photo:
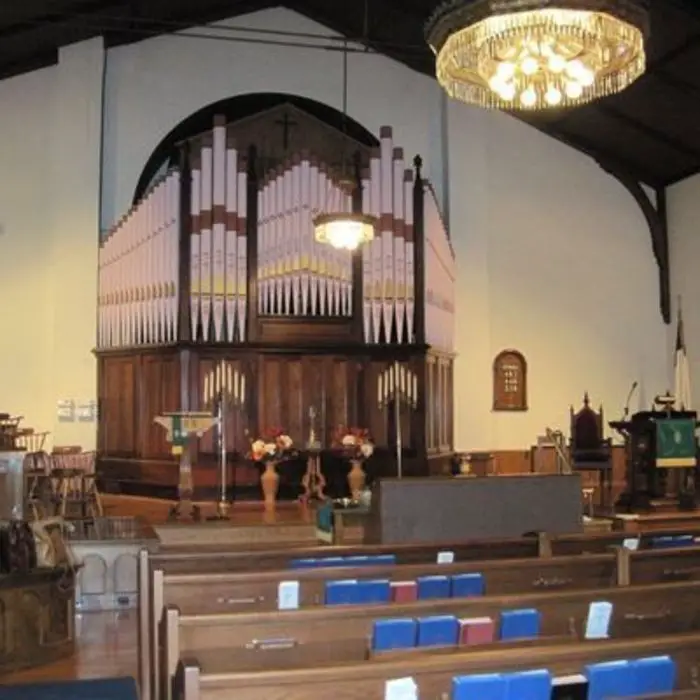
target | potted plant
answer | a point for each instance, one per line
(356, 445)
(271, 448)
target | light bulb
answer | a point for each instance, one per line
(496, 83)
(573, 90)
(575, 68)
(505, 70)
(528, 98)
(553, 96)
(586, 77)
(507, 92)
(557, 63)
(529, 65)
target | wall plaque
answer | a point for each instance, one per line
(509, 381)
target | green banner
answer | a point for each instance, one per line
(675, 443)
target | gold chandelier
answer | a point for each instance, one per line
(537, 54)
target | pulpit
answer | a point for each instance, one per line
(657, 444)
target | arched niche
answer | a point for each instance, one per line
(284, 126)
(509, 381)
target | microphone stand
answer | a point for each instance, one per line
(626, 412)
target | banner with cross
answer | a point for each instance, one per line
(675, 443)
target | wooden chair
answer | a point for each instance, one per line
(589, 450)
(75, 483)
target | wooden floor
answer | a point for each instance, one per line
(155, 511)
(106, 647)
(106, 642)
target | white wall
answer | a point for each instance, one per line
(154, 85)
(25, 315)
(77, 129)
(683, 203)
(554, 256)
(49, 164)
(556, 262)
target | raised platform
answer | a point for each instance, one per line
(250, 524)
(648, 522)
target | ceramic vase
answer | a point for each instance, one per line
(356, 479)
(270, 482)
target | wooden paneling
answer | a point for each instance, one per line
(158, 393)
(281, 389)
(339, 396)
(288, 331)
(439, 397)
(117, 418)
(375, 415)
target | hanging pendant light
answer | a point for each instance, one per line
(344, 230)
(538, 54)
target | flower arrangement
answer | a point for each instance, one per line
(272, 446)
(355, 443)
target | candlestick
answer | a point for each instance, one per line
(323, 412)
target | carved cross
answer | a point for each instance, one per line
(287, 124)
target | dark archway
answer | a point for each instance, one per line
(234, 109)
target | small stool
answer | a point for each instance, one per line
(92, 502)
(38, 490)
(67, 491)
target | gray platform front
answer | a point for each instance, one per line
(449, 509)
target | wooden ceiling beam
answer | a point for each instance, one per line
(675, 144)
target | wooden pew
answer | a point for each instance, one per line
(184, 560)
(259, 592)
(652, 566)
(151, 598)
(261, 641)
(433, 673)
(212, 593)
(208, 594)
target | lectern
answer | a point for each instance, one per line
(181, 426)
(656, 442)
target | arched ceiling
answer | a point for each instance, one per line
(651, 132)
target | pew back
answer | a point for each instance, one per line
(432, 673)
(259, 592)
(217, 559)
(259, 641)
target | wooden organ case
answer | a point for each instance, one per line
(213, 280)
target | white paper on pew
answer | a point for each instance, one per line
(401, 689)
(288, 595)
(598, 621)
(631, 543)
(446, 557)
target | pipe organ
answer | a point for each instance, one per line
(297, 276)
(217, 263)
